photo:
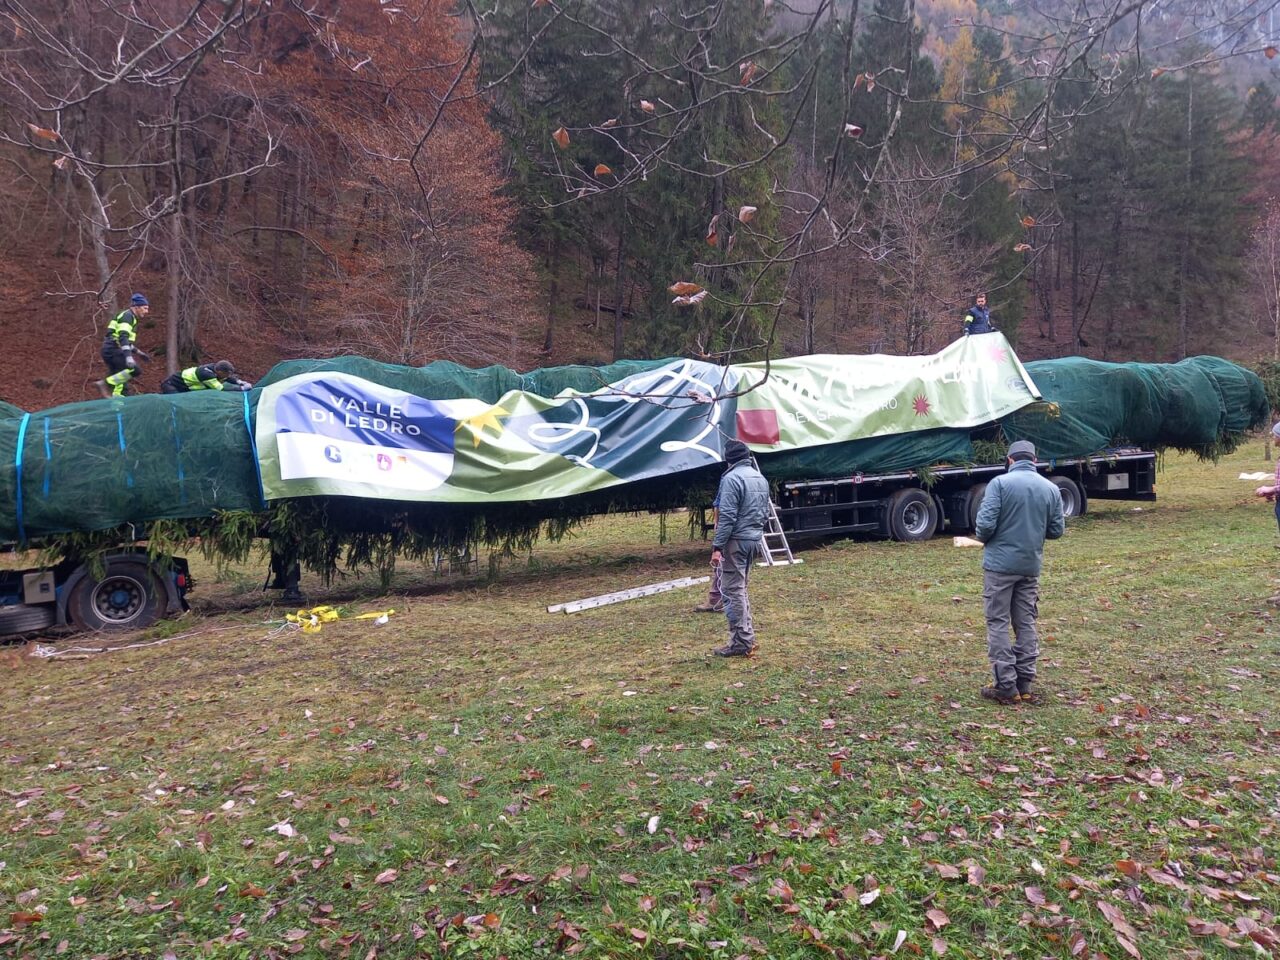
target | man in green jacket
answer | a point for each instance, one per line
(1019, 511)
(209, 376)
(740, 517)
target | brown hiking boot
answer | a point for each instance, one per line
(1004, 695)
(708, 608)
(1026, 694)
(729, 650)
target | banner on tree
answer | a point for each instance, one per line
(329, 433)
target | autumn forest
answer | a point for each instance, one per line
(543, 182)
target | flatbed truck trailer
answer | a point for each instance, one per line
(915, 505)
(127, 590)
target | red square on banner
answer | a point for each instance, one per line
(758, 426)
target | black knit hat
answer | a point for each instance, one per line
(735, 450)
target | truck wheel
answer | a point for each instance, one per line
(26, 619)
(128, 596)
(976, 493)
(1075, 502)
(912, 515)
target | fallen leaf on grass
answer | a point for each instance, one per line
(387, 876)
(870, 897)
(1207, 928)
(1125, 934)
(782, 890)
(1035, 896)
(937, 918)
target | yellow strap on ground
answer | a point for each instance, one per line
(377, 615)
(313, 620)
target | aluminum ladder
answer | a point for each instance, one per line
(777, 551)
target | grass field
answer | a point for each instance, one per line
(482, 778)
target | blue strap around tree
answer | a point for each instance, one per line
(17, 466)
(253, 448)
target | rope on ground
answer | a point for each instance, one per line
(48, 652)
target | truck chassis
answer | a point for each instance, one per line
(914, 505)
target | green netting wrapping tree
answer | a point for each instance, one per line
(96, 466)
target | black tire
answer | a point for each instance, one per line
(976, 493)
(911, 515)
(128, 596)
(24, 619)
(1075, 502)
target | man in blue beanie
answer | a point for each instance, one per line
(120, 346)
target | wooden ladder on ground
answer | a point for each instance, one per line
(777, 551)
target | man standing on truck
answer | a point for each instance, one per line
(209, 376)
(1020, 510)
(743, 500)
(119, 347)
(977, 319)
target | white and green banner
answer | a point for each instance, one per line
(329, 433)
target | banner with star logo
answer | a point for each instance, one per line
(831, 398)
(333, 433)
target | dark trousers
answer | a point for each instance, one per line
(113, 357)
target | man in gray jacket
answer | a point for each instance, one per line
(744, 507)
(1020, 510)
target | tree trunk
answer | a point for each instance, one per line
(1184, 260)
(1273, 263)
(98, 226)
(619, 282)
(173, 281)
(808, 309)
(1075, 284)
(553, 296)
(174, 258)
(1109, 323)
(599, 264)
(1045, 291)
